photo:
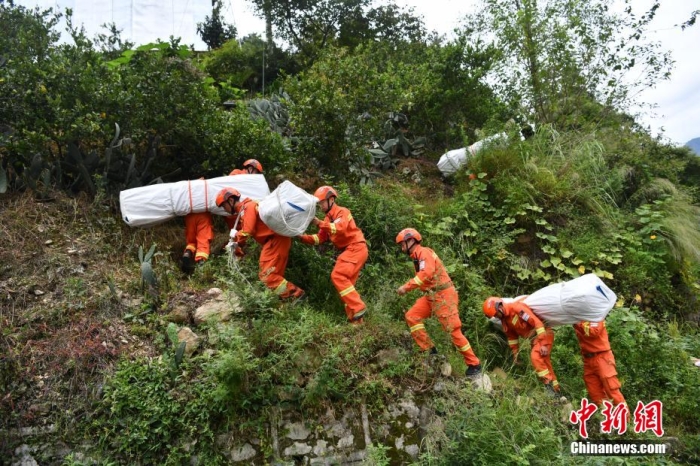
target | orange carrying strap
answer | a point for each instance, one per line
(206, 195)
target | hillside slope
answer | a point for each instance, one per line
(90, 364)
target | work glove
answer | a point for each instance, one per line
(402, 290)
(233, 233)
(544, 350)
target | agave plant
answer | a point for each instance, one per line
(272, 110)
(148, 276)
(384, 156)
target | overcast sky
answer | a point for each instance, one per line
(677, 100)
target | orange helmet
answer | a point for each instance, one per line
(253, 163)
(408, 233)
(490, 306)
(325, 192)
(225, 194)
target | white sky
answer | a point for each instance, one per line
(677, 100)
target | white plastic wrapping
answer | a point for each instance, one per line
(453, 160)
(150, 205)
(288, 210)
(583, 298)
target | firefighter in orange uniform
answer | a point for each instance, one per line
(519, 321)
(199, 231)
(339, 227)
(275, 247)
(250, 167)
(440, 299)
(599, 370)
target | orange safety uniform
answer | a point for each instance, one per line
(519, 321)
(599, 370)
(440, 298)
(199, 231)
(340, 228)
(231, 219)
(275, 249)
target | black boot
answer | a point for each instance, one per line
(473, 370)
(187, 263)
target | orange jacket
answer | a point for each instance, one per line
(592, 337)
(339, 227)
(251, 224)
(430, 272)
(238, 171)
(519, 321)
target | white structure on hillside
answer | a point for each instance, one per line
(140, 21)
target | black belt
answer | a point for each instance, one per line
(590, 355)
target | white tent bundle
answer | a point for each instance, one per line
(583, 298)
(150, 205)
(288, 210)
(451, 161)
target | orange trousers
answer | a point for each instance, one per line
(273, 263)
(199, 231)
(344, 276)
(444, 305)
(600, 375)
(543, 364)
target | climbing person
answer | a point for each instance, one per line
(250, 167)
(275, 247)
(519, 321)
(340, 228)
(440, 299)
(599, 370)
(199, 232)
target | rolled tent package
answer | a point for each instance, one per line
(288, 210)
(453, 160)
(584, 298)
(150, 205)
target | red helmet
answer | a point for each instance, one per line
(253, 163)
(325, 192)
(225, 194)
(490, 306)
(408, 233)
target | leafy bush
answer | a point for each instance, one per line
(147, 416)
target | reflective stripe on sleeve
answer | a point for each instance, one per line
(417, 327)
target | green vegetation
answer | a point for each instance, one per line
(366, 101)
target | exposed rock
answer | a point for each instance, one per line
(215, 292)
(321, 448)
(178, 315)
(347, 441)
(297, 431)
(499, 373)
(410, 408)
(243, 453)
(220, 310)
(412, 450)
(24, 457)
(190, 338)
(482, 382)
(297, 449)
(387, 357)
(446, 369)
(566, 411)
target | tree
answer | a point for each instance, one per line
(311, 25)
(557, 56)
(213, 31)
